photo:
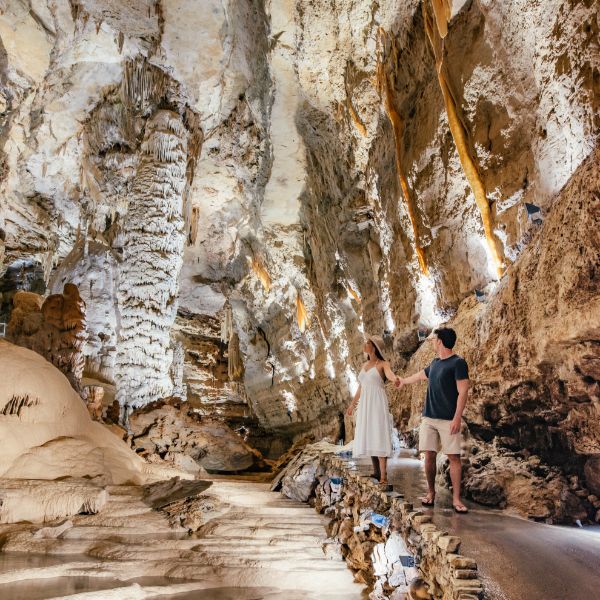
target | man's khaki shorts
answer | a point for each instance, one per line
(434, 434)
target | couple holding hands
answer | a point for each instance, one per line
(447, 390)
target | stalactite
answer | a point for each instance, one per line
(355, 118)
(193, 228)
(261, 272)
(235, 364)
(350, 106)
(353, 293)
(398, 128)
(143, 84)
(301, 314)
(226, 324)
(193, 124)
(152, 259)
(443, 13)
(459, 134)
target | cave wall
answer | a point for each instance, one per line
(533, 354)
(351, 167)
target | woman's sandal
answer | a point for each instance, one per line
(426, 502)
(462, 510)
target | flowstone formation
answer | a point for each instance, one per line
(48, 435)
(241, 192)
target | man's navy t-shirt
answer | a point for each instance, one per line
(442, 393)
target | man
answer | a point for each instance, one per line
(447, 390)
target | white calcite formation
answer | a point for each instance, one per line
(47, 432)
(152, 258)
(91, 266)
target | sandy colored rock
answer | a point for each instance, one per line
(54, 327)
(47, 432)
(42, 501)
(172, 428)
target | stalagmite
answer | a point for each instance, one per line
(54, 327)
(398, 128)
(459, 134)
(152, 259)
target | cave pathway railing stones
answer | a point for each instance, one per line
(406, 551)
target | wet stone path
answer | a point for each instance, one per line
(517, 559)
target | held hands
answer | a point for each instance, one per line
(399, 382)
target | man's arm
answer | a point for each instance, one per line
(463, 392)
(420, 376)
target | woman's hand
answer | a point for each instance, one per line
(351, 409)
(397, 381)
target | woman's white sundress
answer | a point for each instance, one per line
(373, 432)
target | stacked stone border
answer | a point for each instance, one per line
(448, 575)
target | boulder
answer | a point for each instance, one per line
(301, 482)
(171, 430)
(486, 489)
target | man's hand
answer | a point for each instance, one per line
(455, 426)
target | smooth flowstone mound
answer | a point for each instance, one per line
(47, 432)
(41, 501)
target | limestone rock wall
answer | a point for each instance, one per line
(350, 167)
(533, 355)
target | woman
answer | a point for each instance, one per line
(373, 432)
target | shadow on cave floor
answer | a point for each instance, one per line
(517, 558)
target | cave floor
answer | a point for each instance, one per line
(256, 545)
(517, 558)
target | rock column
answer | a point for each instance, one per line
(152, 259)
